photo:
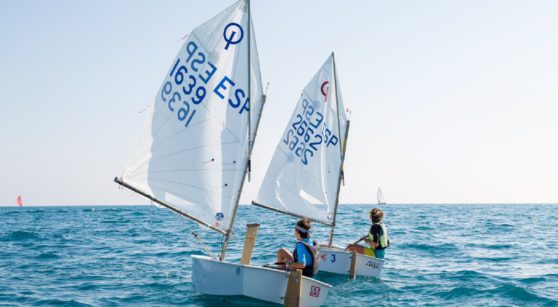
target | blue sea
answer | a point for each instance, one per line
(498, 255)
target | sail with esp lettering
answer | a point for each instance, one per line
(303, 176)
(195, 150)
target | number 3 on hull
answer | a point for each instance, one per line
(336, 260)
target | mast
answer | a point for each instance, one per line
(249, 93)
(342, 150)
(247, 167)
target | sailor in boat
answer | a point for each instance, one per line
(306, 253)
(377, 237)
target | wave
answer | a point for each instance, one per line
(520, 294)
(131, 256)
(20, 235)
(48, 256)
(59, 302)
(430, 248)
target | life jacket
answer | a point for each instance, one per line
(384, 240)
(310, 269)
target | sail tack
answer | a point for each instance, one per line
(195, 148)
(303, 176)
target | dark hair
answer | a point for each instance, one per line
(376, 215)
(304, 224)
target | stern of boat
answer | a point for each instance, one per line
(338, 261)
(214, 277)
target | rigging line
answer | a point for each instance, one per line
(159, 144)
(157, 107)
(154, 149)
(163, 142)
(162, 105)
(151, 212)
(145, 108)
(201, 121)
(192, 148)
(194, 170)
(183, 184)
(203, 245)
(156, 131)
(221, 121)
(218, 119)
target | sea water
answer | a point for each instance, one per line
(140, 255)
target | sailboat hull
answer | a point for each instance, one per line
(338, 261)
(210, 276)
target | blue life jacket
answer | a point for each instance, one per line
(311, 268)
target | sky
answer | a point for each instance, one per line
(452, 101)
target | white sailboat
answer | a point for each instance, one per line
(380, 197)
(305, 173)
(195, 152)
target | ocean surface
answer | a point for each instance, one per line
(140, 255)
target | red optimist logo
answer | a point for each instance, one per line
(315, 291)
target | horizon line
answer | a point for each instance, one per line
(248, 204)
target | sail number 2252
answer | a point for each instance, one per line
(307, 132)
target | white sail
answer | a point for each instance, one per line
(195, 149)
(303, 176)
(380, 197)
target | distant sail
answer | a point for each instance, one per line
(196, 146)
(19, 201)
(380, 196)
(304, 171)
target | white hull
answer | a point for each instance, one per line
(210, 276)
(337, 260)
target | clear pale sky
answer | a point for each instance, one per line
(452, 101)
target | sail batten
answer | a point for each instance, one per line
(195, 148)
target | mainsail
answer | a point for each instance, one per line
(303, 176)
(195, 150)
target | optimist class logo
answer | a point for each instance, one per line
(315, 291)
(230, 34)
(325, 89)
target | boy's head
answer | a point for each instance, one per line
(376, 215)
(303, 228)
